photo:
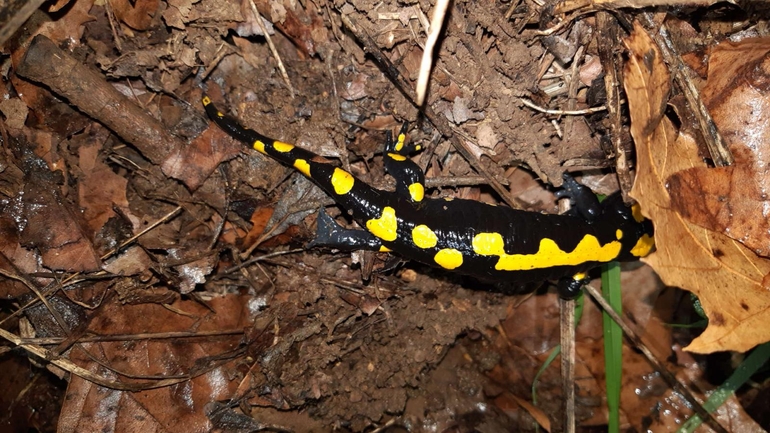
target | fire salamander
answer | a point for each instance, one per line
(493, 243)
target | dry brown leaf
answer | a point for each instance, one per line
(728, 277)
(100, 188)
(194, 163)
(137, 14)
(89, 407)
(299, 22)
(69, 27)
(57, 5)
(734, 200)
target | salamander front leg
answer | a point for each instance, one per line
(410, 180)
(582, 199)
(329, 234)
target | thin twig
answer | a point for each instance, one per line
(568, 356)
(111, 19)
(669, 377)
(436, 24)
(128, 241)
(273, 50)
(67, 365)
(582, 112)
(262, 257)
(718, 149)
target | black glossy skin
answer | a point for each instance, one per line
(455, 222)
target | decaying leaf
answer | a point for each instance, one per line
(734, 200)
(137, 14)
(728, 277)
(148, 359)
(100, 189)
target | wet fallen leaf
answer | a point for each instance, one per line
(46, 221)
(734, 200)
(728, 278)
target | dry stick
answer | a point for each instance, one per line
(669, 377)
(135, 337)
(610, 58)
(587, 7)
(112, 20)
(572, 74)
(511, 8)
(15, 13)
(125, 243)
(273, 50)
(426, 64)
(438, 121)
(260, 258)
(67, 365)
(568, 353)
(718, 149)
(582, 112)
(568, 356)
(90, 93)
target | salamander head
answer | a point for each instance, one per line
(635, 232)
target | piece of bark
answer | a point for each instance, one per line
(13, 14)
(90, 93)
(87, 90)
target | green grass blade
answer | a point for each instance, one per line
(756, 359)
(613, 343)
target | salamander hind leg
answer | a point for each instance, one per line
(410, 180)
(570, 287)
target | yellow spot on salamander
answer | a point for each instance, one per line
(488, 244)
(259, 146)
(580, 276)
(206, 100)
(643, 246)
(282, 147)
(302, 166)
(549, 254)
(396, 157)
(385, 227)
(449, 258)
(424, 237)
(400, 142)
(417, 191)
(636, 212)
(342, 181)
(384, 249)
(619, 234)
